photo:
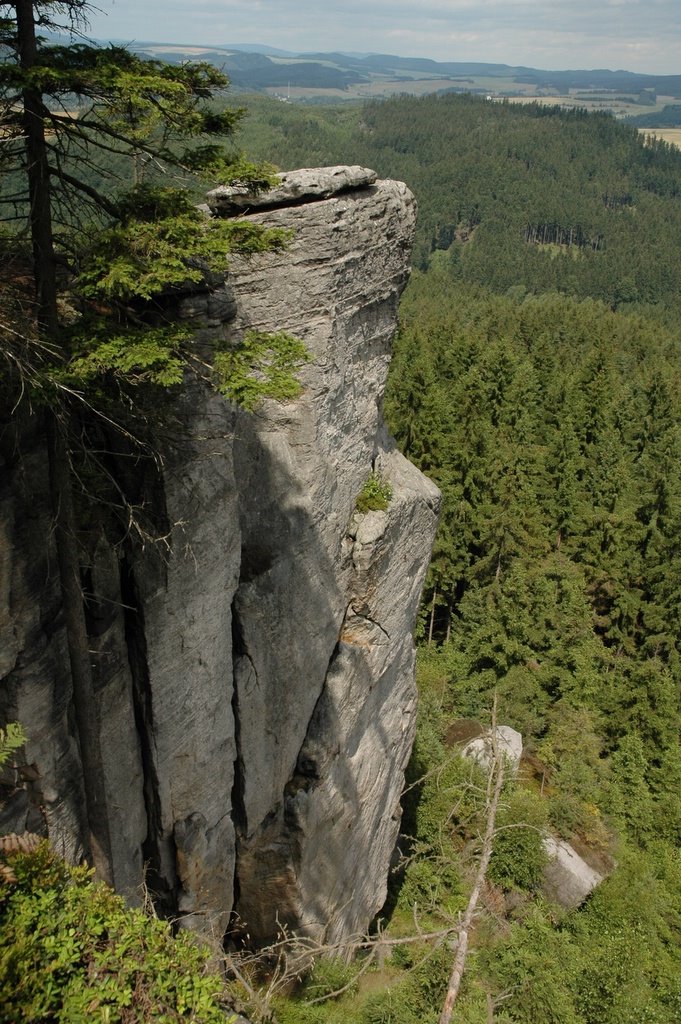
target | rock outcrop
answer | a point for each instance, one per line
(292, 187)
(509, 744)
(568, 879)
(255, 674)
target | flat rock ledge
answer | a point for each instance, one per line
(301, 186)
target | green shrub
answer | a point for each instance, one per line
(12, 737)
(71, 952)
(518, 857)
(449, 799)
(536, 966)
(397, 1005)
(570, 816)
(432, 885)
(291, 1011)
(375, 494)
(329, 975)
(418, 998)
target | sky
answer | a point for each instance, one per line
(634, 35)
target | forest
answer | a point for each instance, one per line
(535, 379)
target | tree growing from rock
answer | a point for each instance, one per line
(72, 115)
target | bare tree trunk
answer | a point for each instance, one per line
(495, 781)
(432, 618)
(84, 701)
(38, 176)
(87, 718)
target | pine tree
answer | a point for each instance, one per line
(67, 110)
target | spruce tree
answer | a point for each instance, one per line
(68, 111)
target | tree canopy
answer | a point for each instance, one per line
(119, 247)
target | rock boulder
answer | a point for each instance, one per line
(568, 879)
(509, 743)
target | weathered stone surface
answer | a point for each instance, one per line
(326, 701)
(361, 734)
(254, 672)
(184, 669)
(568, 879)
(300, 186)
(36, 690)
(509, 743)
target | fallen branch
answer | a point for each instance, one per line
(495, 781)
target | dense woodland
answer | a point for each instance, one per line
(536, 380)
(600, 197)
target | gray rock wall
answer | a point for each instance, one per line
(255, 673)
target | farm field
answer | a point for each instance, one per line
(672, 135)
(337, 77)
(379, 89)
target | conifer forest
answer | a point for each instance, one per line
(536, 379)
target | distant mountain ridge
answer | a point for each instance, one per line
(256, 66)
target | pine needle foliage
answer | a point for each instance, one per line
(12, 738)
(99, 146)
(263, 365)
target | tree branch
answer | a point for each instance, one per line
(97, 197)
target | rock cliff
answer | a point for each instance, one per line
(254, 674)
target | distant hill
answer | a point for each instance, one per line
(258, 67)
(269, 51)
(620, 81)
(384, 60)
(668, 117)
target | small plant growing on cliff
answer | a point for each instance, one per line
(12, 737)
(375, 494)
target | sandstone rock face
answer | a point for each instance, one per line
(36, 686)
(254, 673)
(568, 879)
(293, 187)
(325, 699)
